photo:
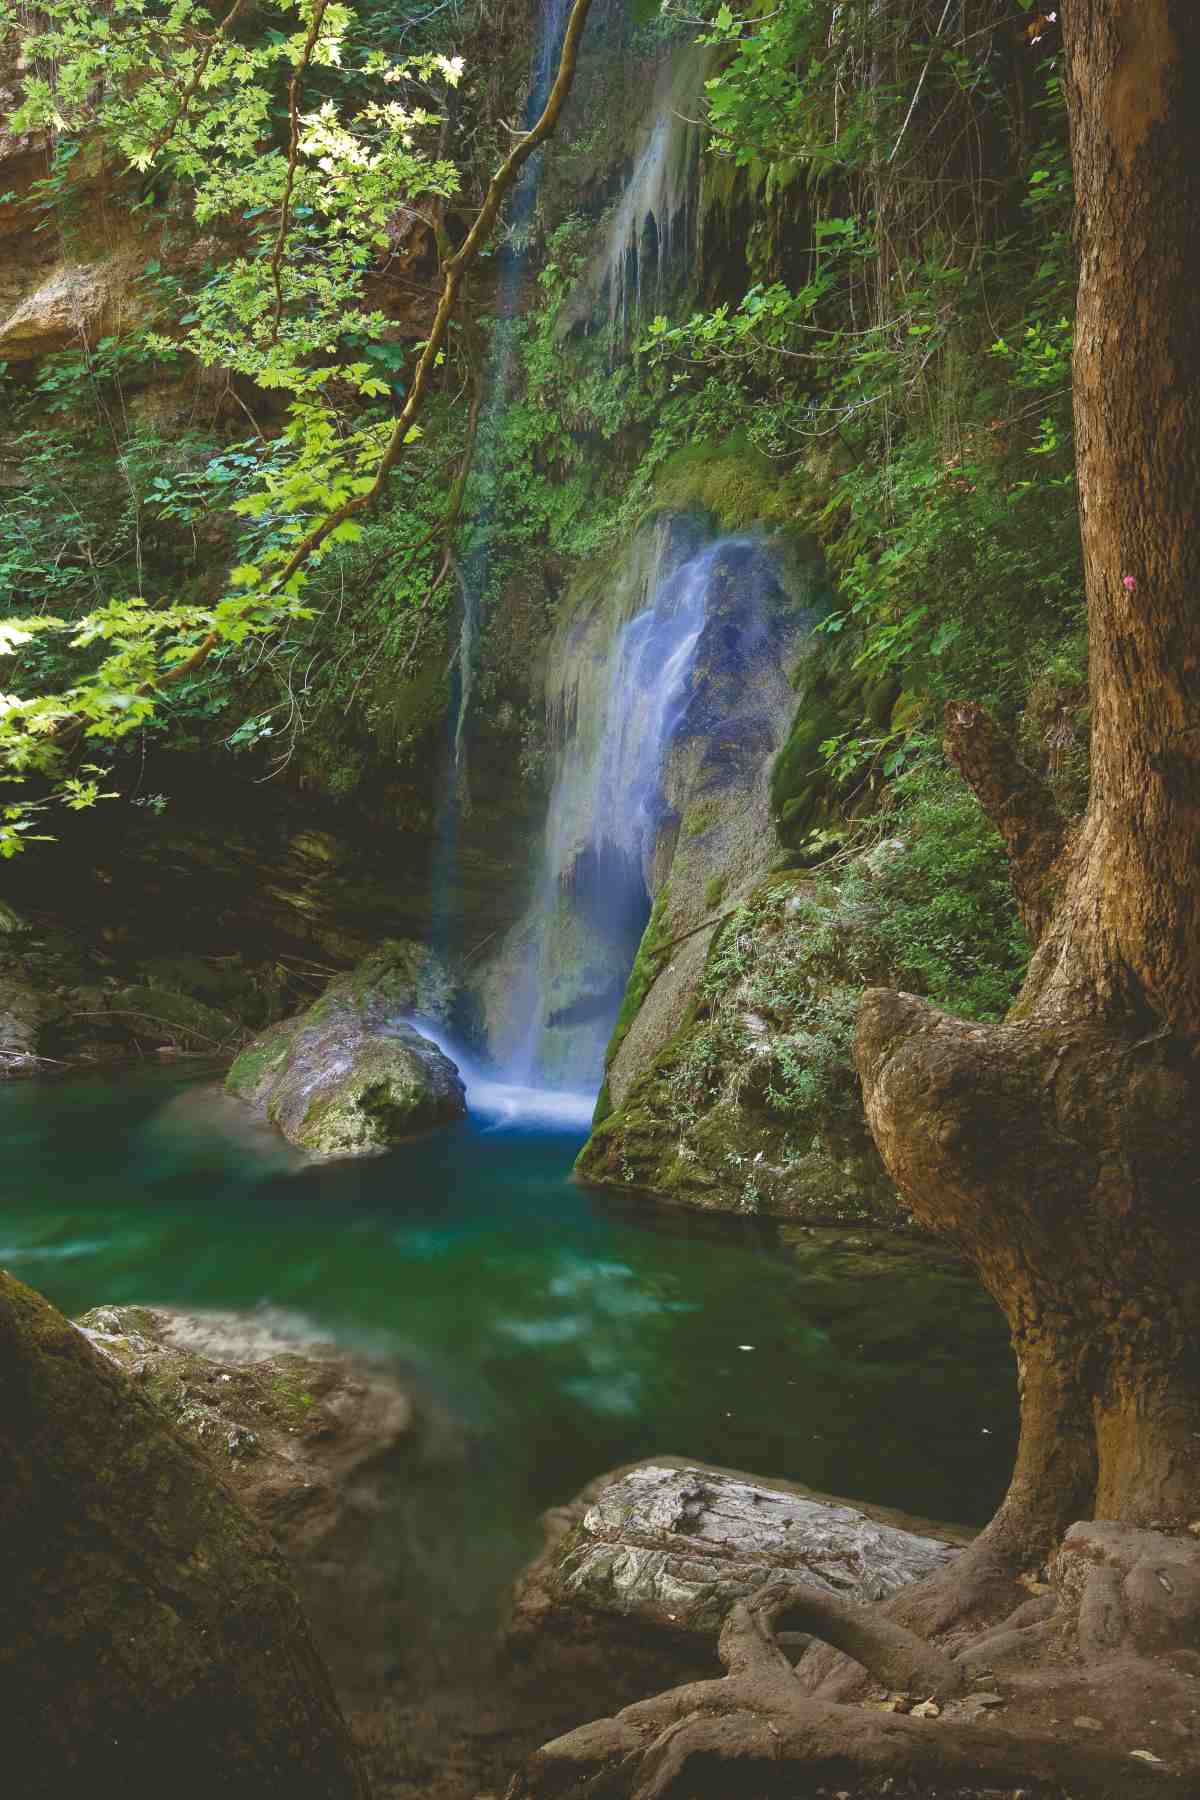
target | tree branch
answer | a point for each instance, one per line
(454, 272)
(198, 74)
(285, 205)
(1018, 803)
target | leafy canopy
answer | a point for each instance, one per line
(303, 192)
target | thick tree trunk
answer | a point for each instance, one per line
(1061, 1150)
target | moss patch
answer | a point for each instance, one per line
(753, 1105)
(734, 483)
(647, 965)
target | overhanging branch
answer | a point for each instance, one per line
(1018, 803)
(454, 271)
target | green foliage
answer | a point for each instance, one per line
(577, 453)
(305, 210)
(927, 908)
(941, 906)
(929, 343)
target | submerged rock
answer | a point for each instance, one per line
(640, 1569)
(151, 1639)
(315, 1443)
(350, 1075)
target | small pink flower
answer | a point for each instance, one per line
(1129, 583)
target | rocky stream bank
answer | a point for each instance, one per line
(626, 1598)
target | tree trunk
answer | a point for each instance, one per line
(1061, 1150)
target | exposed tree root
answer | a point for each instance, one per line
(756, 1732)
(898, 1658)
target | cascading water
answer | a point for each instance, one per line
(552, 992)
(497, 380)
(654, 679)
(605, 811)
(654, 222)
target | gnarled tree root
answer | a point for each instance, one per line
(755, 1732)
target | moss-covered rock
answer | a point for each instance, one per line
(752, 1105)
(834, 700)
(734, 483)
(352, 1075)
(151, 1640)
(315, 1443)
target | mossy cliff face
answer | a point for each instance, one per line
(151, 1640)
(349, 1075)
(751, 1105)
(753, 1102)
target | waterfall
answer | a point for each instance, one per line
(648, 677)
(473, 566)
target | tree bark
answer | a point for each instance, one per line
(1061, 1150)
(1018, 802)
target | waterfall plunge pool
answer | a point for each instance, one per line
(549, 1334)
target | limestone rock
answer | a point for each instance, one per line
(350, 1075)
(75, 302)
(151, 1640)
(679, 1545)
(640, 1569)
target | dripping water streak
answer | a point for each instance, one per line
(473, 567)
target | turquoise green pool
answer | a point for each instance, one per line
(550, 1335)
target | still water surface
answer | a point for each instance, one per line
(549, 1335)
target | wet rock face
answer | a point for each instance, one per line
(20, 1004)
(314, 1443)
(20, 1019)
(151, 1638)
(350, 1076)
(75, 303)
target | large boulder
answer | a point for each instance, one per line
(350, 1075)
(640, 1569)
(317, 1444)
(151, 1639)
